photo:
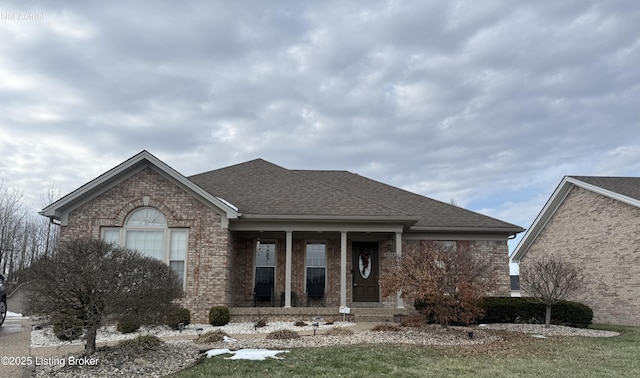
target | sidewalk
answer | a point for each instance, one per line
(15, 344)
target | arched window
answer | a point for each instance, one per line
(146, 230)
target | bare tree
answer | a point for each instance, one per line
(50, 196)
(93, 281)
(447, 279)
(549, 281)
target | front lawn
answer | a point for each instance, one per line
(516, 356)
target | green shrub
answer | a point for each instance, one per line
(219, 315)
(511, 310)
(68, 327)
(127, 324)
(178, 315)
(283, 334)
(572, 314)
(524, 310)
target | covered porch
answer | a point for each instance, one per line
(311, 266)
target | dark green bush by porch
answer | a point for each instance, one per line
(219, 315)
(178, 315)
(524, 310)
(128, 324)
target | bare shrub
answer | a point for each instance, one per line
(212, 337)
(283, 334)
(95, 281)
(549, 281)
(386, 328)
(413, 321)
(447, 281)
(141, 343)
(339, 331)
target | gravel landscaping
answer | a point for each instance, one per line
(180, 351)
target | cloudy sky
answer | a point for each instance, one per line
(486, 102)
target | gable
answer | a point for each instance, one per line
(620, 189)
(61, 209)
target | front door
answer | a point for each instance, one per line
(365, 272)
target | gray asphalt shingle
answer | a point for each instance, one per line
(627, 186)
(258, 187)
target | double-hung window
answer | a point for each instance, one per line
(316, 263)
(146, 231)
(265, 263)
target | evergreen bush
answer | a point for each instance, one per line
(219, 315)
(178, 315)
(524, 310)
(127, 324)
(68, 327)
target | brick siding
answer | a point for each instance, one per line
(599, 235)
(207, 258)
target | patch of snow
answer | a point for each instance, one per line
(216, 352)
(14, 314)
(246, 354)
(227, 339)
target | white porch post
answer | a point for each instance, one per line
(343, 268)
(287, 273)
(399, 300)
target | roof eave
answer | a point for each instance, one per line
(55, 210)
(503, 230)
(331, 218)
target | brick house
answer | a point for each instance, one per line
(593, 222)
(299, 238)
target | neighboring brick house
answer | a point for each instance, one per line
(594, 222)
(313, 238)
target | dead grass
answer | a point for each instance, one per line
(339, 331)
(211, 337)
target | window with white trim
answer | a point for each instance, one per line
(265, 263)
(146, 231)
(316, 263)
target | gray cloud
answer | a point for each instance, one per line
(490, 102)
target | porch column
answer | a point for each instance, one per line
(343, 268)
(287, 271)
(399, 300)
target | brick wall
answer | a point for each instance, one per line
(207, 258)
(601, 236)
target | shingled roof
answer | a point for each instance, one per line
(626, 186)
(259, 187)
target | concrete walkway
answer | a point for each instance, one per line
(15, 345)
